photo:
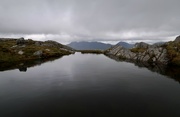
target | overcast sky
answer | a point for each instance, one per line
(91, 20)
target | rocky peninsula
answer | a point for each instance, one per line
(165, 53)
(15, 50)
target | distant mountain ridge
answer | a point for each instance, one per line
(83, 45)
(125, 45)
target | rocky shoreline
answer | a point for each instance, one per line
(13, 50)
(166, 53)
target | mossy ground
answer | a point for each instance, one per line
(138, 50)
(9, 51)
(173, 50)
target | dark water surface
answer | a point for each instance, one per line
(89, 86)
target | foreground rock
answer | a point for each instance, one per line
(20, 41)
(177, 40)
(167, 53)
(155, 55)
(21, 50)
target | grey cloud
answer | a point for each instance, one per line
(102, 20)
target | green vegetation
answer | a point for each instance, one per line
(91, 51)
(138, 50)
(173, 50)
(10, 52)
(31, 50)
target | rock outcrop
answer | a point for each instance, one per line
(20, 41)
(20, 52)
(154, 55)
(165, 53)
(12, 50)
(141, 45)
(177, 40)
(51, 43)
(38, 53)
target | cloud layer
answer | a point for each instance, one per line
(89, 20)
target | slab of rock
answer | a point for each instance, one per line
(177, 39)
(154, 55)
(14, 46)
(38, 53)
(20, 52)
(48, 50)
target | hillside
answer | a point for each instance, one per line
(12, 50)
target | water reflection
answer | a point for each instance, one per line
(24, 65)
(23, 69)
(170, 71)
(88, 86)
